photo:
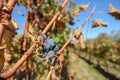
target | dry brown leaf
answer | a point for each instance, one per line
(81, 8)
(79, 36)
(3, 19)
(9, 34)
(60, 25)
(7, 56)
(85, 6)
(81, 41)
(114, 12)
(61, 57)
(7, 38)
(13, 25)
(76, 11)
(98, 22)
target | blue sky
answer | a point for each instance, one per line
(102, 6)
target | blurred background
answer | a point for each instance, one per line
(95, 56)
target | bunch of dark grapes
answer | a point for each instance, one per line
(49, 48)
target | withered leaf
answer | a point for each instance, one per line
(85, 6)
(60, 25)
(9, 34)
(114, 12)
(7, 55)
(81, 40)
(81, 8)
(13, 25)
(61, 57)
(98, 22)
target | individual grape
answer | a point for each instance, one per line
(56, 48)
(51, 42)
(52, 60)
(46, 46)
(42, 51)
(43, 37)
(51, 53)
(44, 54)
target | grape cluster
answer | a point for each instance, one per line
(49, 48)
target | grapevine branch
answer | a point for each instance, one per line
(25, 40)
(50, 72)
(55, 17)
(68, 41)
(11, 71)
